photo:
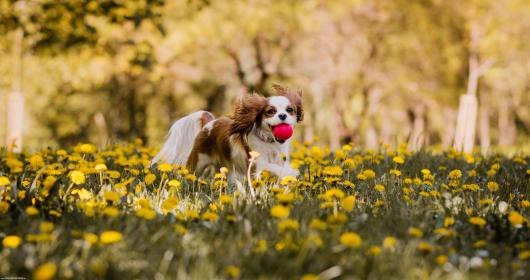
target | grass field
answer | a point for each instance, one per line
(88, 213)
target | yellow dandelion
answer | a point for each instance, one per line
(110, 236)
(233, 271)
(348, 203)
(398, 160)
(379, 188)
(415, 232)
(32, 211)
(149, 178)
(210, 216)
(493, 186)
(165, 167)
(425, 247)
(4, 181)
(351, 239)
(90, 237)
(455, 174)
(288, 225)
(389, 242)
(45, 271)
(280, 211)
(101, 167)
(77, 177)
(442, 259)
(477, 221)
(11, 241)
(46, 227)
(309, 277)
(448, 221)
(375, 250)
(515, 218)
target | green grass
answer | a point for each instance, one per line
(244, 241)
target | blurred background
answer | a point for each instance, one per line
(422, 72)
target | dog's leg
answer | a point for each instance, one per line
(277, 169)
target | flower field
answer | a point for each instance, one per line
(88, 213)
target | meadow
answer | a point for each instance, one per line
(86, 213)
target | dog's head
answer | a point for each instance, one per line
(254, 110)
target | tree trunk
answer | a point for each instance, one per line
(103, 131)
(417, 138)
(507, 127)
(467, 112)
(449, 135)
(466, 123)
(15, 102)
(484, 126)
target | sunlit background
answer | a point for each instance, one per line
(372, 72)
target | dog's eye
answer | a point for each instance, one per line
(289, 110)
(271, 111)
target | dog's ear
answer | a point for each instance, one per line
(249, 110)
(295, 97)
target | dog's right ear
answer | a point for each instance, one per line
(249, 110)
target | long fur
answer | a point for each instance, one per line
(198, 140)
(247, 113)
(181, 137)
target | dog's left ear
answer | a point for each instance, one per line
(249, 110)
(295, 97)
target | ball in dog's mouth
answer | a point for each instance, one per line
(282, 132)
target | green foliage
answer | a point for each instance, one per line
(370, 70)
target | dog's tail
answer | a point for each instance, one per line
(181, 136)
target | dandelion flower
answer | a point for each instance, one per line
(455, 174)
(101, 167)
(174, 184)
(415, 232)
(398, 160)
(77, 177)
(280, 211)
(351, 239)
(448, 221)
(233, 271)
(348, 203)
(90, 238)
(389, 242)
(4, 181)
(45, 271)
(11, 241)
(515, 218)
(46, 227)
(32, 211)
(110, 236)
(149, 178)
(309, 277)
(318, 224)
(493, 186)
(477, 221)
(442, 259)
(379, 188)
(375, 250)
(165, 167)
(425, 247)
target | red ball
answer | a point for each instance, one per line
(283, 131)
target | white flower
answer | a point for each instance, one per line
(503, 206)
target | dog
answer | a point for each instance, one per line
(200, 140)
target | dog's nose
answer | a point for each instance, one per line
(282, 117)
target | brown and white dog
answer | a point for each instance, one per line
(199, 140)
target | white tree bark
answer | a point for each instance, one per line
(15, 101)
